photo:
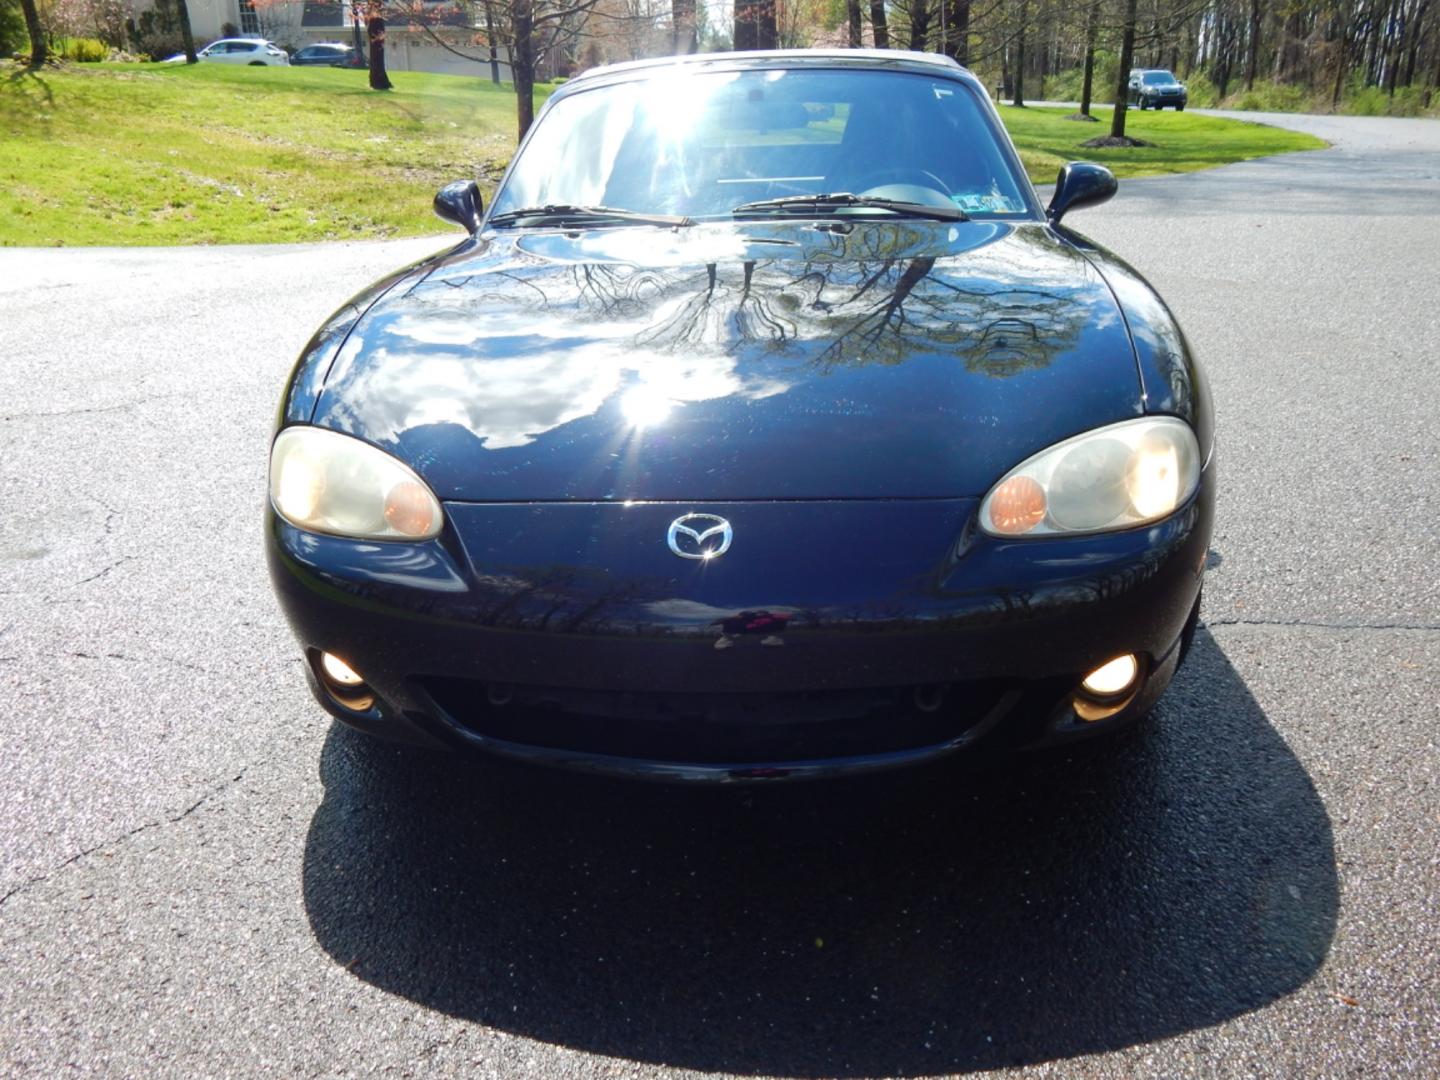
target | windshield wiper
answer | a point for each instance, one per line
(844, 200)
(562, 212)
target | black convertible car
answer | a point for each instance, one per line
(764, 426)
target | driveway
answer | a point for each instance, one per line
(199, 874)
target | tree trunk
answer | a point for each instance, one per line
(957, 30)
(1416, 33)
(183, 10)
(1389, 57)
(1127, 55)
(1252, 61)
(1372, 37)
(767, 27)
(878, 24)
(1339, 83)
(1287, 53)
(1019, 99)
(494, 50)
(1435, 79)
(38, 50)
(852, 14)
(742, 30)
(682, 27)
(1224, 58)
(522, 62)
(755, 25)
(1092, 21)
(357, 18)
(375, 31)
(919, 25)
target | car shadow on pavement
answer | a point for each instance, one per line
(917, 923)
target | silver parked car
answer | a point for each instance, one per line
(253, 52)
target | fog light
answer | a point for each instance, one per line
(1112, 678)
(339, 672)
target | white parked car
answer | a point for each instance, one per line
(252, 51)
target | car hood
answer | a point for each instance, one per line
(763, 361)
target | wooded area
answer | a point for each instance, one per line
(1363, 56)
(1369, 56)
(1291, 52)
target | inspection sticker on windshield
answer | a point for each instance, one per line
(988, 204)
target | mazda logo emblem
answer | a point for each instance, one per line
(699, 536)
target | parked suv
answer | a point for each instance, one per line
(1155, 88)
(327, 54)
(254, 52)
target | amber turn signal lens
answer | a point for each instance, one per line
(1017, 506)
(410, 510)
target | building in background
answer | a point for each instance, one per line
(293, 24)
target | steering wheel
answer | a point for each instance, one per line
(898, 175)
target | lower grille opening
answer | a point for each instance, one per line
(717, 728)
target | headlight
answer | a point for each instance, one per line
(331, 483)
(1114, 477)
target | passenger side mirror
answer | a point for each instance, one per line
(1080, 183)
(460, 202)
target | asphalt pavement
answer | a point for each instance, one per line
(201, 875)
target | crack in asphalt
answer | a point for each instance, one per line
(96, 577)
(123, 837)
(110, 512)
(120, 407)
(1315, 624)
(143, 660)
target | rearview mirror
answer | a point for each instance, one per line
(1080, 183)
(460, 202)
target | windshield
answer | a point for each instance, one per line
(702, 144)
(1158, 78)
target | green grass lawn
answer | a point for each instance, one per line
(170, 154)
(1184, 142)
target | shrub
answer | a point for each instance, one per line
(1374, 101)
(156, 33)
(1200, 91)
(81, 50)
(1271, 97)
(1067, 85)
(160, 44)
(13, 36)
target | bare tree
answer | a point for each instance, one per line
(1092, 27)
(682, 22)
(1021, 26)
(1252, 60)
(955, 30)
(1122, 85)
(182, 9)
(878, 24)
(528, 31)
(755, 24)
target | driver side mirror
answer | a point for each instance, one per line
(460, 202)
(1080, 183)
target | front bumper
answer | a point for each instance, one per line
(834, 638)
